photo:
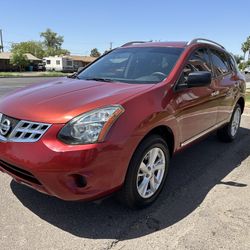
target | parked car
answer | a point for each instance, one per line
(247, 70)
(114, 126)
(38, 67)
(41, 67)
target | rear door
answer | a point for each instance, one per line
(225, 84)
(196, 107)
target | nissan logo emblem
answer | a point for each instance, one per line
(5, 127)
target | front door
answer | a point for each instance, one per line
(196, 107)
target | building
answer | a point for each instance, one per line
(66, 63)
(81, 61)
(5, 61)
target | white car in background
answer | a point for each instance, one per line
(247, 70)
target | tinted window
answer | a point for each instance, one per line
(233, 64)
(134, 65)
(57, 62)
(198, 61)
(48, 61)
(220, 62)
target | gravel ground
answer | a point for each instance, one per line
(205, 205)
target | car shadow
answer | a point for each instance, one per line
(194, 172)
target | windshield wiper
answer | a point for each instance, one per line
(99, 79)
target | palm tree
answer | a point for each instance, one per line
(245, 47)
(238, 58)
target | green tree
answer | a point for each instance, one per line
(238, 58)
(53, 43)
(52, 39)
(95, 53)
(56, 52)
(32, 47)
(19, 60)
(245, 47)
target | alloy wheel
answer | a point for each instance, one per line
(151, 172)
(235, 122)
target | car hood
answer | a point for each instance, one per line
(60, 100)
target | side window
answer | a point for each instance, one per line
(220, 62)
(198, 61)
(233, 63)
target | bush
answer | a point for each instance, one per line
(243, 65)
(19, 60)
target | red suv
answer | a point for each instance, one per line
(114, 126)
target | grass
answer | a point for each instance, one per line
(248, 98)
(33, 74)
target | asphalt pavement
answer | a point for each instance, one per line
(205, 205)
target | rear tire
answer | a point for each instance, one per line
(230, 131)
(146, 173)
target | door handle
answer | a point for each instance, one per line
(215, 93)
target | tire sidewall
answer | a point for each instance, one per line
(143, 149)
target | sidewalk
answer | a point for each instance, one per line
(248, 85)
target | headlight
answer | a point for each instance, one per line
(90, 127)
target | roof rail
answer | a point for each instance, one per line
(196, 40)
(134, 42)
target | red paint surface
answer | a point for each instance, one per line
(186, 113)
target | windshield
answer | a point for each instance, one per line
(133, 65)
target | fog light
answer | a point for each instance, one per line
(80, 180)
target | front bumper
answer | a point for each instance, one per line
(55, 168)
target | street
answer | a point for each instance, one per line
(205, 205)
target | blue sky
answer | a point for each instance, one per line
(94, 23)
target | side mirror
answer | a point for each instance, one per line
(199, 79)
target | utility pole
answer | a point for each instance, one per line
(1, 40)
(111, 45)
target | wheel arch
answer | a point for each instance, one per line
(166, 133)
(241, 102)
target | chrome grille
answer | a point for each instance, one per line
(27, 131)
(24, 131)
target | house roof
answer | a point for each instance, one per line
(87, 59)
(7, 56)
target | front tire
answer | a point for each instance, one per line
(229, 132)
(146, 173)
